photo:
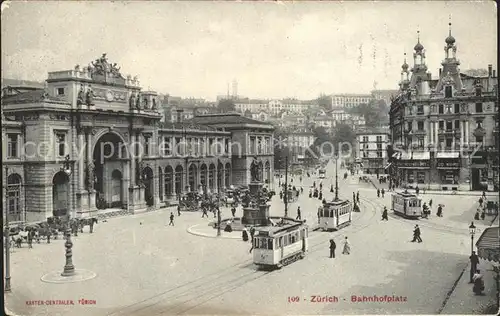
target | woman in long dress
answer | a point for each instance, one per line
(347, 247)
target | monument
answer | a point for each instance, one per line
(255, 207)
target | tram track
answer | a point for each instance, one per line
(185, 297)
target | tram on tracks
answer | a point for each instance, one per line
(407, 204)
(322, 173)
(335, 215)
(278, 246)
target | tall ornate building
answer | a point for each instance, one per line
(445, 130)
(91, 144)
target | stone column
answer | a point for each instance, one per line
(81, 165)
(216, 178)
(426, 135)
(132, 146)
(436, 131)
(467, 132)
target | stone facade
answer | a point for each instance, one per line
(91, 143)
(446, 130)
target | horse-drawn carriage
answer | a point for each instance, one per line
(190, 202)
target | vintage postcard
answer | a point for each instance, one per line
(250, 158)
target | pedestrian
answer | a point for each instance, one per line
(178, 210)
(301, 190)
(354, 197)
(347, 247)
(357, 196)
(252, 233)
(30, 238)
(244, 234)
(298, 214)
(440, 210)
(476, 217)
(233, 211)
(171, 219)
(281, 195)
(314, 184)
(333, 246)
(320, 196)
(384, 214)
(204, 210)
(378, 192)
(484, 195)
(416, 234)
(480, 202)
(483, 214)
(321, 186)
(417, 190)
(474, 261)
(383, 192)
(310, 193)
(331, 188)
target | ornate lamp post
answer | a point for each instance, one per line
(7, 236)
(69, 268)
(472, 231)
(285, 195)
(218, 208)
(336, 179)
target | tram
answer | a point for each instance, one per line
(335, 215)
(278, 246)
(407, 204)
(322, 173)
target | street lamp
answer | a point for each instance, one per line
(69, 268)
(336, 179)
(7, 235)
(472, 230)
(218, 207)
(285, 195)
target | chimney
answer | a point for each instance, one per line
(179, 116)
(440, 70)
(490, 68)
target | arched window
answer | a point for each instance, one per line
(14, 197)
(60, 194)
(160, 183)
(169, 177)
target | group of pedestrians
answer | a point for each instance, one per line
(345, 251)
(380, 192)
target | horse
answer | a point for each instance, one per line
(87, 222)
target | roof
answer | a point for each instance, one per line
(22, 83)
(488, 245)
(34, 96)
(225, 118)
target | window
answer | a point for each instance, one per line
(226, 145)
(61, 144)
(411, 177)
(420, 125)
(211, 145)
(13, 197)
(365, 154)
(449, 142)
(252, 145)
(448, 108)
(177, 145)
(146, 144)
(420, 109)
(410, 110)
(479, 139)
(12, 145)
(60, 91)
(478, 92)
(457, 124)
(479, 107)
(379, 146)
(449, 125)
(479, 124)
(441, 124)
(421, 142)
(441, 109)
(420, 177)
(379, 154)
(410, 125)
(379, 139)
(448, 92)
(365, 139)
(456, 108)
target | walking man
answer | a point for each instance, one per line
(233, 211)
(332, 248)
(171, 219)
(347, 247)
(383, 192)
(178, 210)
(384, 214)
(474, 261)
(357, 196)
(298, 214)
(204, 210)
(30, 238)
(378, 192)
(416, 234)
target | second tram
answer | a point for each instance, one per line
(407, 204)
(335, 215)
(322, 173)
(277, 246)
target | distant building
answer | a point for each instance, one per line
(385, 95)
(350, 100)
(370, 148)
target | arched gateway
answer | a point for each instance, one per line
(110, 159)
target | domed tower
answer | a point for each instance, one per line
(405, 76)
(419, 56)
(450, 74)
(419, 79)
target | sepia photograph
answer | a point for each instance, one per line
(250, 158)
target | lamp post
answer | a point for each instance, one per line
(7, 235)
(472, 231)
(69, 268)
(336, 180)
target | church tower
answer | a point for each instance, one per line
(449, 78)
(405, 76)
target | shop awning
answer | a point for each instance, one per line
(488, 245)
(421, 156)
(448, 155)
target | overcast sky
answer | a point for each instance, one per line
(273, 50)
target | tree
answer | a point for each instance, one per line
(226, 106)
(343, 133)
(324, 101)
(374, 112)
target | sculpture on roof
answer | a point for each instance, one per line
(81, 96)
(138, 104)
(101, 66)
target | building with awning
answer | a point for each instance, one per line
(488, 245)
(414, 168)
